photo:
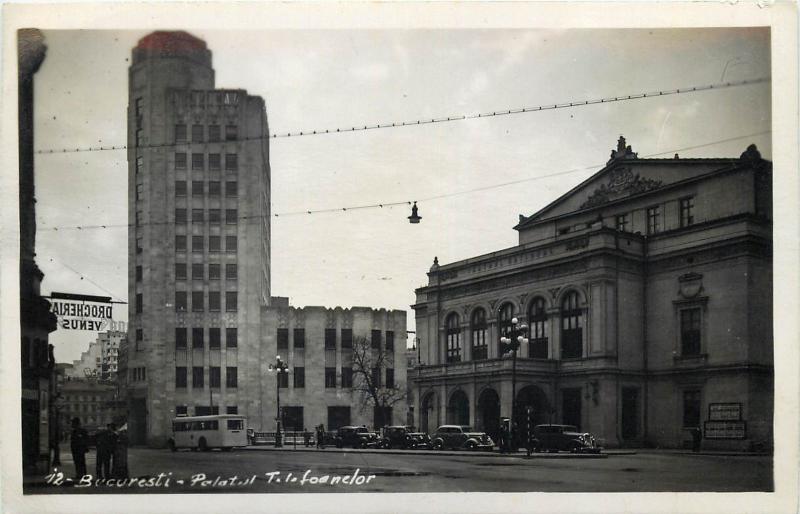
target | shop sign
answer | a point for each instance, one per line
(725, 412)
(81, 312)
(725, 430)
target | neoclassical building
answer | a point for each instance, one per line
(647, 292)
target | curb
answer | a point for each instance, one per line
(519, 455)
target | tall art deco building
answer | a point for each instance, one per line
(199, 242)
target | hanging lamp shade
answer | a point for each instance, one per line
(415, 217)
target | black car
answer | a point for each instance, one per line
(356, 437)
(563, 437)
(405, 437)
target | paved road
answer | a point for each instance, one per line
(430, 472)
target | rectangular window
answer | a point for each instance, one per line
(691, 408)
(283, 380)
(330, 338)
(139, 303)
(197, 377)
(687, 211)
(299, 377)
(231, 301)
(213, 301)
(180, 377)
(330, 378)
(197, 215)
(180, 243)
(231, 338)
(138, 245)
(197, 244)
(376, 377)
(139, 138)
(197, 188)
(197, 133)
(180, 133)
(181, 410)
(180, 188)
(389, 377)
(231, 216)
(214, 162)
(214, 217)
(214, 376)
(230, 244)
(690, 331)
(214, 188)
(138, 273)
(231, 132)
(654, 219)
(180, 271)
(232, 377)
(376, 339)
(180, 160)
(197, 162)
(139, 191)
(622, 222)
(283, 339)
(139, 338)
(231, 162)
(347, 377)
(299, 338)
(214, 243)
(347, 338)
(231, 271)
(139, 164)
(213, 133)
(197, 337)
(180, 215)
(180, 301)
(197, 271)
(180, 338)
(213, 271)
(232, 409)
(390, 340)
(198, 305)
(231, 189)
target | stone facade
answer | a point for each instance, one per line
(100, 360)
(647, 291)
(199, 186)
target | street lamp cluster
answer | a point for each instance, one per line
(511, 343)
(278, 368)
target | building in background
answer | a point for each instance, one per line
(100, 360)
(647, 290)
(89, 400)
(202, 326)
(37, 362)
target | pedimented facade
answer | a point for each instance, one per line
(647, 290)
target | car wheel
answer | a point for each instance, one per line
(172, 446)
(437, 445)
(575, 448)
(536, 448)
(471, 445)
(202, 445)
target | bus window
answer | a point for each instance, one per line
(235, 424)
(213, 425)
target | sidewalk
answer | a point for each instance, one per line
(463, 453)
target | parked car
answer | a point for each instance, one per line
(459, 437)
(356, 437)
(404, 436)
(563, 437)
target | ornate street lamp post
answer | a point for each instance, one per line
(278, 368)
(516, 336)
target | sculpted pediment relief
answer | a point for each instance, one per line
(621, 182)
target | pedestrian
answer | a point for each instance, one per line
(697, 436)
(79, 444)
(103, 461)
(112, 445)
(321, 436)
(306, 437)
(55, 441)
(120, 468)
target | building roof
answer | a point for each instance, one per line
(165, 44)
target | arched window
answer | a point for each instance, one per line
(504, 323)
(478, 326)
(453, 332)
(538, 331)
(571, 327)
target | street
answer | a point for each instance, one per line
(262, 469)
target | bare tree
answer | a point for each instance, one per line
(369, 365)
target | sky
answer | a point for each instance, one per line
(324, 79)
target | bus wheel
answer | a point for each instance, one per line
(202, 444)
(172, 445)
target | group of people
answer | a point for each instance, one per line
(112, 451)
(319, 436)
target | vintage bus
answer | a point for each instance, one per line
(224, 431)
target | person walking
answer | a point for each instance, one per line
(503, 443)
(321, 436)
(306, 437)
(103, 461)
(79, 444)
(697, 436)
(120, 467)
